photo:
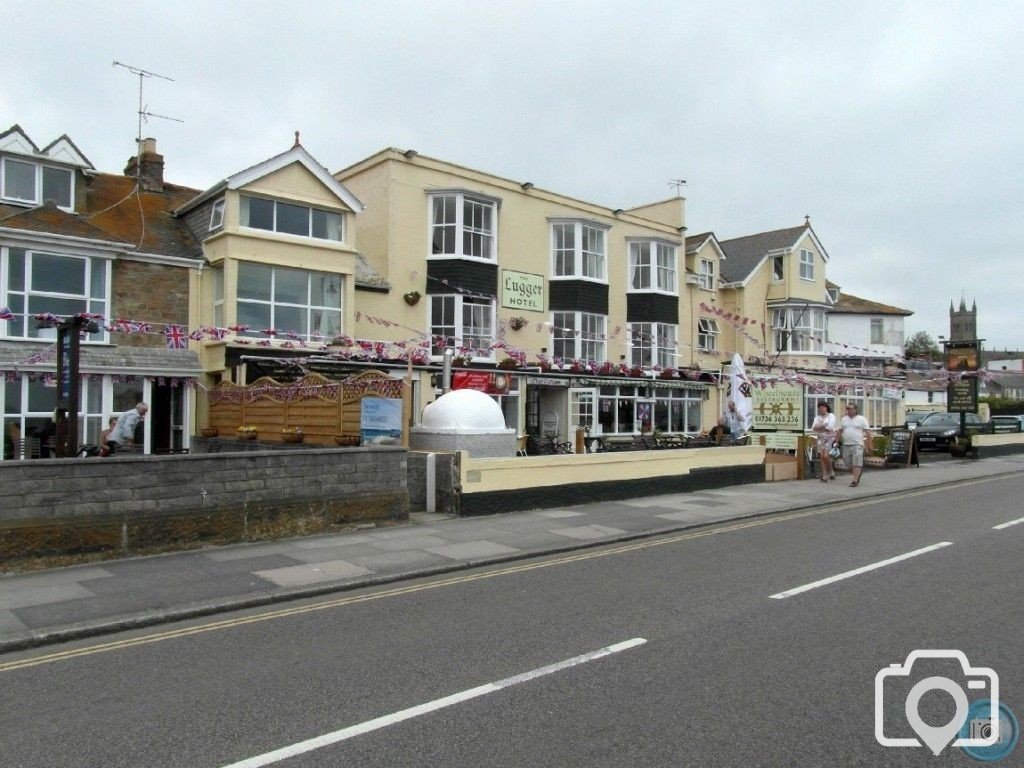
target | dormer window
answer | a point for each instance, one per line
(778, 269)
(34, 183)
(706, 276)
(291, 219)
(652, 266)
(806, 264)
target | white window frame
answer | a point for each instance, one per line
(589, 335)
(779, 260)
(653, 344)
(806, 265)
(879, 324)
(461, 230)
(459, 327)
(309, 307)
(309, 219)
(706, 275)
(655, 276)
(217, 215)
(579, 253)
(810, 336)
(37, 198)
(707, 334)
(94, 304)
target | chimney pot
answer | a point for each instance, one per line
(147, 166)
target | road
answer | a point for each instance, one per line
(712, 669)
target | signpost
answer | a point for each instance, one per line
(962, 393)
(779, 408)
(69, 333)
(902, 448)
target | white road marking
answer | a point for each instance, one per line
(431, 706)
(858, 571)
(1007, 525)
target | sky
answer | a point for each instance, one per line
(896, 126)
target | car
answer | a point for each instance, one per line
(937, 430)
(914, 418)
(1008, 423)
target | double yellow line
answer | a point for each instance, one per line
(465, 578)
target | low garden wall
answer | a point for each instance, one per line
(1002, 444)
(504, 485)
(54, 509)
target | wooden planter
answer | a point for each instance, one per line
(292, 437)
(349, 441)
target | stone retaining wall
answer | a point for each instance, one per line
(85, 508)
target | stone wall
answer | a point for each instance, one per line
(92, 508)
(156, 293)
(446, 476)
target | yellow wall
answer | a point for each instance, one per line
(394, 238)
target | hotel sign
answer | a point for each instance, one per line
(522, 290)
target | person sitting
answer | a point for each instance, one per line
(105, 449)
(720, 432)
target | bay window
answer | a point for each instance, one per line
(799, 329)
(652, 266)
(578, 249)
(462, 321)
(307, 304)
(653, 344)
(37, 282)
(579, 336)
(462, 226)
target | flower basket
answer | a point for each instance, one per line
(349, 441)
(292, 437)
(517, 323)
(208, 431)
(246, 435)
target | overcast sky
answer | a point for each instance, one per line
(896, 126)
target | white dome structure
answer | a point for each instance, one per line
(464, 420)
(464, 410)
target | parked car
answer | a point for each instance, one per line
(937, 430)
(916, 417)
(1008, 423)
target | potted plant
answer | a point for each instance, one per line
(349, 441)
(960, 446)
(292, 434)
(517, 323)
(208, 431)
(246, 432)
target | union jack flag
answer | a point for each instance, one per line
(6, 314)
(175, 337)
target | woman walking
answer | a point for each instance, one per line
(824, 428)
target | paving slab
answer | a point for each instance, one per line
(313, 573)
(472, 550)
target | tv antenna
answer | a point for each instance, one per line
(677, 185)
(144, 113)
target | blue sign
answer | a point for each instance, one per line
(380, 420)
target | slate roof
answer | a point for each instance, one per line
(849, 304)
(156, 230)
(743, 254)
(694, 242)
(112, 213)
(155, 359)
(51, 219)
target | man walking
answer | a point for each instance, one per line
(855, 433)
(123, 434)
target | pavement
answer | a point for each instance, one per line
(63, 604)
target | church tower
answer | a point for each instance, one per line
(963, 322)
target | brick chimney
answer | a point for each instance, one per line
(150, 169)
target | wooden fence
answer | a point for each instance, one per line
(322, 408)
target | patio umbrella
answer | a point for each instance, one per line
(739, 391)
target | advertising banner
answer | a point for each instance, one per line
(780, 407)
(380, 420)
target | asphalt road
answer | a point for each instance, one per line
(726, 674)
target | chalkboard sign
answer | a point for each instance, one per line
(902, 448)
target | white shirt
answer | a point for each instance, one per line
(853, 429)
(124, 432)
(828, 421)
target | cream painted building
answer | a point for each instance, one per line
(595, 304)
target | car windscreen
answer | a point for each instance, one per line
(941, 420)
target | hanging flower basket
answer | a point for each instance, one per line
(517, 323)
(292, 435)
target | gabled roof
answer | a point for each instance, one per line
(50, 219)
(744, 254)
(695, 242)
(143, 218)
(849, 304)
(60, 150)
(297, 154)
